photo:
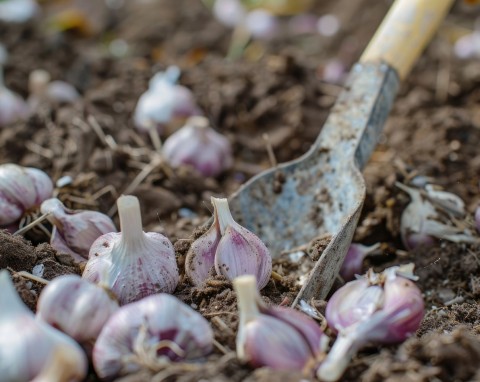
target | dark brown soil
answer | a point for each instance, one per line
(276, 88)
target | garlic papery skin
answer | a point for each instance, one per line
(76, 306)
(151, 333)
(239, 252)
(381, 308)
(75, 230)
(200, 257)
(279, 338)
(197, 145)
(132, 263)
(430, 217)
(21, 188)
(27, 345)
(164, 101)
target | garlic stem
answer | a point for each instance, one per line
(225, 218)
(247, 298)
(338, 359)
(130, 221)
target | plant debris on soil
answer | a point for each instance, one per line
(275, 88)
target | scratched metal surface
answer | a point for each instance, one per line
(323, 191)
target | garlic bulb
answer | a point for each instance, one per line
(200, 257)
(132, 263)
(196, 144)
(76, 307)
(382, 308)
(262, 24)
(21, 188)
(229, 12)
(276, 337)
(75, 230)
(41, 87)
(429, 215)
(27, 345)
(231, 248)
(164, 101)
(12, 106)
(151, 333)
(18, 11)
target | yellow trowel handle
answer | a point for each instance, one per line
(404, 33)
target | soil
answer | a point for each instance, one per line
(275, 88)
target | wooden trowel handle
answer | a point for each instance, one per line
(404, 33)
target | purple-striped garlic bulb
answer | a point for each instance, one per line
(132, 264)
(232, 249)
(197, 145)
(74, 231)
(21, 189)
(280, 338)
(76, 306)
(28, 346)
(382, 308)
(151, 333)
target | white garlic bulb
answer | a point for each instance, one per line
(75, 230)
(132, 263)
(12, 106)
(151, 333)
(75, 306)
(21, 188)
(197, 145)
(164, 101)
(27, 345)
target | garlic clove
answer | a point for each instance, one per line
(196, 144)
(298, 343)
(356, 301)
(382, 308)
(58, 242)
(151, 333)
(200, 257)
(21, 188)
(132, 263)
(239, 252)
(27, 345)
(352, 265)
(273, 343)
(76, 307)
(76, 229)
